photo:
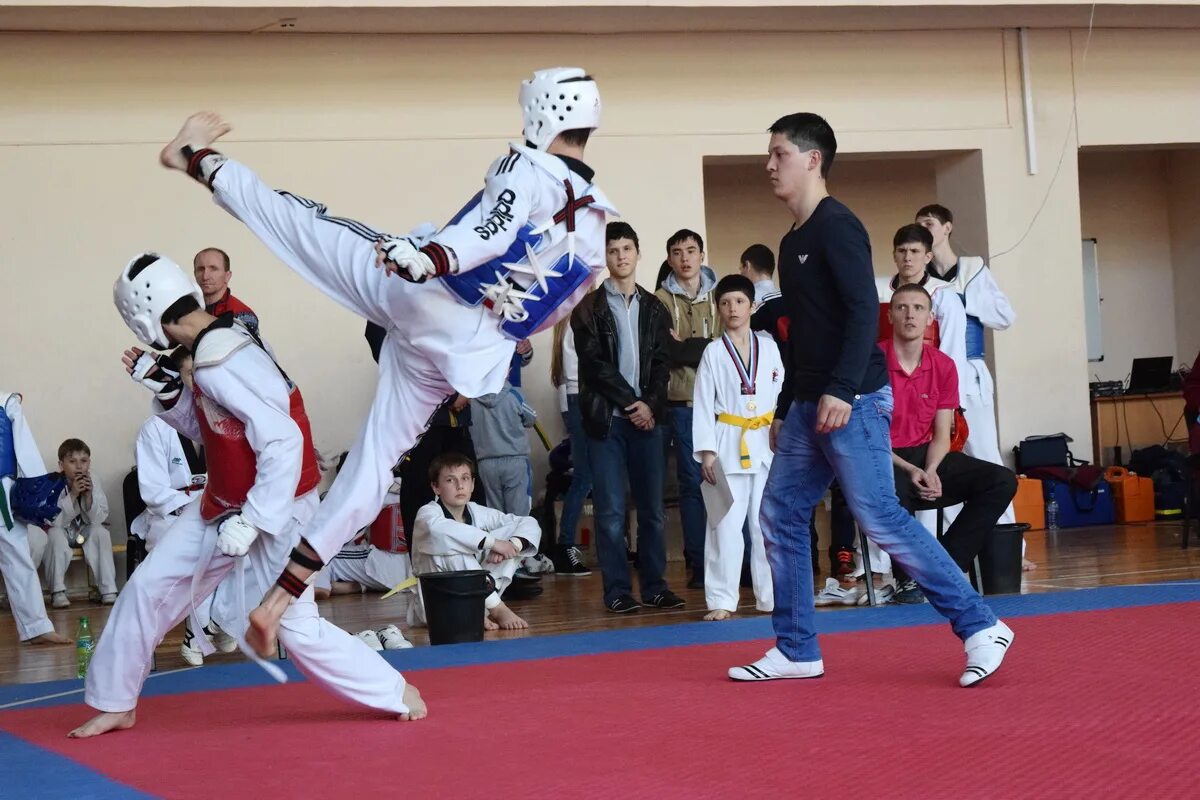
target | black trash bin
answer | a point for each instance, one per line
(454, 604)
(1000, 560)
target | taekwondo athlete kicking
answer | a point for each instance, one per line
(516, 259)
(262, 480)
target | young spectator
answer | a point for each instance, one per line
(832, 420)
(687, 295)
(212, 272)
(453, 533)
(925, 386)
(498, 423)
(564, 374)
(758, 264)
(81, 522)
(170, 472)
(621, 334)
(19, 458)
(737, 386)
(362, 567)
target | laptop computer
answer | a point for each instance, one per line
(1150, 375)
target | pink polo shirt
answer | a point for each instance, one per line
(933, 385)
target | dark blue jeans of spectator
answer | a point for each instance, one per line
(581, 473)
(860, 457)
(691, 503)
(629, 459)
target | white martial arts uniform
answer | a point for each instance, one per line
(241, 394)
(724, 385)
(164, 478)
(373, 569)
(986, 307)
(442, 544)
(52, 548)
(16, 562)
(436, 344)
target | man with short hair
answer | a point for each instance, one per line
(211, 268)
(833, 417)
(687, 295)
(621, 334)
(925, 387)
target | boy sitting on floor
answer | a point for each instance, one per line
(452, 533)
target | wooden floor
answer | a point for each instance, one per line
(1069, 559)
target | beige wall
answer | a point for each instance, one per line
(1124, 206)
(1183, 176)
(396, 130)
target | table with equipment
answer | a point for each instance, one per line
(1128, 422)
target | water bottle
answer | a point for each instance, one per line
(84, 645)
(1051, 514)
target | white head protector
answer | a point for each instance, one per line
(556, 100)
(156, 283)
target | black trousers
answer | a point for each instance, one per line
(984, 489)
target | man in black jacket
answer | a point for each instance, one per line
(621, 335)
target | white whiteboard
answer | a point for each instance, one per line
(1092, 301)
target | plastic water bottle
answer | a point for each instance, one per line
(1051, 514)
(84, 645)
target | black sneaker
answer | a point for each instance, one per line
(665, 599)
(622, 605)
(567, 561)
(909, 594)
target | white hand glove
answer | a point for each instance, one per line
(156, 372)
(401, 257)
(235, 535)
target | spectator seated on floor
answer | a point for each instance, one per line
(362, 567)
(929, 474)
(452, 533)
(81, 522)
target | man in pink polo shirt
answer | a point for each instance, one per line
(925, 386)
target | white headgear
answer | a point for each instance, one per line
(556, 100)
(143, 297)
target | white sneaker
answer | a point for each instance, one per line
(371, 638)
(985, 651)
(190, 652)
(775, 666)
(108, 599)
(393, 639)
(538, 565)
(220, 639)
(883, 595)
(59, 600)
(834, 595)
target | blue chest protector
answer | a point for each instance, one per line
(35, 500)
(8, 448)
(975, 345)
(548, 285)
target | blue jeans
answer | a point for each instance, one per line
(629, 459)
(860, 457)
(691, 503)
(581, 480)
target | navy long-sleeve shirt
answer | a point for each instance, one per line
(828, 287)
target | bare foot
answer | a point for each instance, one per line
(718, 615)
(488, 625)
(198, 131)
(1027, 565)
(416, 706)
(53, 637)
(507, 619)
(263, 633)
(103, 723)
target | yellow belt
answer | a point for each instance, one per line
(746, 424)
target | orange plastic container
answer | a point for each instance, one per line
(1029, 506)
(1134, 496)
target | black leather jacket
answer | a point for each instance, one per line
(602, 389)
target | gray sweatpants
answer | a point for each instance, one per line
(506, 483)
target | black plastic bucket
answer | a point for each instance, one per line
(1000, 560)
(454, 604)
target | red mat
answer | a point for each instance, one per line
(1094, 704)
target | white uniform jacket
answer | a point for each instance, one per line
(163, 478)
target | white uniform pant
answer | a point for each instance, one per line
(159, 595)
(424, 323)
(231, 612)
(724, 549)
(374, 569)
(21, 578)
(52, 550)
(501, 573)
(983, 440)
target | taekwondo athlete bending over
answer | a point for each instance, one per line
(514, 260)
(262, 481)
